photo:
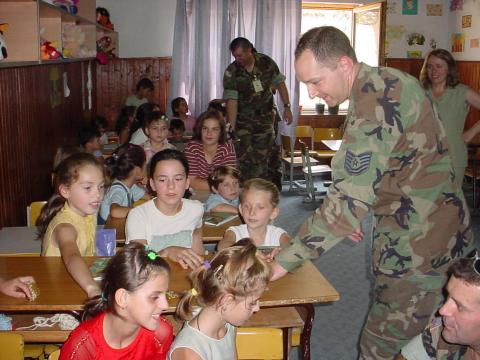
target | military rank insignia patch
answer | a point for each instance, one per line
(357, 164)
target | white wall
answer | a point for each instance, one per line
(145, 27)
(431, 27)
(455, 26)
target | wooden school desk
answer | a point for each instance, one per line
(211, 234)
(60, 293)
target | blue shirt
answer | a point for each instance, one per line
(216, 199)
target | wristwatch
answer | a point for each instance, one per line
(287, 105)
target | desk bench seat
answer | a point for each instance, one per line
(284, 318)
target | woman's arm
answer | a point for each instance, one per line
(66, 236)
(228, 240)
(473, 99)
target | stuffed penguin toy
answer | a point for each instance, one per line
(3, 44)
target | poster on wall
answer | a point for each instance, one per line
(410, 7)
(456, 5)
(392, 7)
(414, 54)
(458, 42)
(466, 21)
(474, 43)
(415, 38)
(434, 9)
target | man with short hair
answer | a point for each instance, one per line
(456, 335)
(249, 84)
(393, 162)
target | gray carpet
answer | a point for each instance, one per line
(337, 325)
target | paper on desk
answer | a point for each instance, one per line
(333, 144)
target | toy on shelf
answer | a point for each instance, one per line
(103, 18)
(105, 50)
(48, 51)
(3, 43)
(73, 38)
(69, 6)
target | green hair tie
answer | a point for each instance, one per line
(152, 255)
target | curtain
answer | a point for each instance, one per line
(202, 35)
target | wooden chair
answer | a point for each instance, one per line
(54, 355)
(322, 153)
(139, 202)
(291, 161)
(310, 171)
(304, 132)
(33, 212)
(259, 343)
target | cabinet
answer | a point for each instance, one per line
(33, 21)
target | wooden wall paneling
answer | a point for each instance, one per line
(117, 80)
(410, 66)
(31, 130)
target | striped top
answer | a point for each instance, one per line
(199, 167)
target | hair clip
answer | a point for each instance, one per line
(152, 255)
(217, 270)
(194, 291)
(207, 264)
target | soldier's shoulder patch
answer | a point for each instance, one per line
(228, 73)
(357, 164)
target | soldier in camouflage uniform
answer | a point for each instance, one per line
(460, 322)
(248, 84)
(393, 161)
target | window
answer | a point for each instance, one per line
(361, 24)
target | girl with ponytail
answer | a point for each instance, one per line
(227, 290)
(125, 321)
(68, 221)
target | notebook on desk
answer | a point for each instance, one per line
(333, 144)
(218, 218)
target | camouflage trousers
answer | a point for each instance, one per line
(400, 310)
(257, 153)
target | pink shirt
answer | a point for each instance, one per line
(199, 167)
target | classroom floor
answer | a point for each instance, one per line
(337, 326)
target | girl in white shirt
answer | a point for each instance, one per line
(169, 224)
(259, 207)
(227, 290)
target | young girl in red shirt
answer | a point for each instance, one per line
(125, 322)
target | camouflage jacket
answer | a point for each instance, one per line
(394, 161)
(429, 345)
(238, 85)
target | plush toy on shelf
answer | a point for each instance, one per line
(103, 18)
(48, 51)
(69, 6)
(73, 38)
(3, 43)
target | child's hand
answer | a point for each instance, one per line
(187, 258)
(17, 287)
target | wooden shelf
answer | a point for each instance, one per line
(33, 21)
